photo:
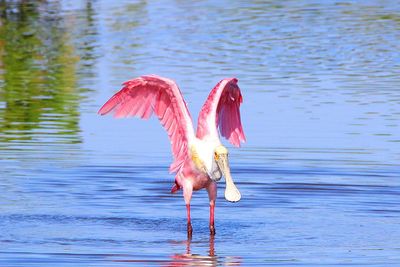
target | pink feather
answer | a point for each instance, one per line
(147, 94)
(222, 108)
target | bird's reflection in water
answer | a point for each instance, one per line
(191, 259)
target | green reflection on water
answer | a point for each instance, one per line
(37, 73)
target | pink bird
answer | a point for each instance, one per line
(200, 159)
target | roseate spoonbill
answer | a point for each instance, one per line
(199, 159)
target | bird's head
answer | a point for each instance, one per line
(221, 158)
(220, 151)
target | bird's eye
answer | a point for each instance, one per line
(216, 155)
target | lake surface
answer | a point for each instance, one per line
(319, 173)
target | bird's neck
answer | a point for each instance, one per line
(196, 159)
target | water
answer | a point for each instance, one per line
(319, 174)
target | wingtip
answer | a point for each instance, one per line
(232, 79)
(103, 110)
(100, 112)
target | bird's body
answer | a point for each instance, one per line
(200, 159)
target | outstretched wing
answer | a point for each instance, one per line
(221, 110)
(147, 94)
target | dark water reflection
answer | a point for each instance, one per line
(38, 73)
(318, 175)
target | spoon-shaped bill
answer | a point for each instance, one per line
(232, 194)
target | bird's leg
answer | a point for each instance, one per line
(212, 226)
(189, 224)
(212, 195)
(212, 247)
(187, 195)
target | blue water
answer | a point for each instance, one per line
(319, 173)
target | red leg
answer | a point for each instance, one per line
(189, 224)
(212, 226)
(187, 195)
(212, 195)
(212, 249)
